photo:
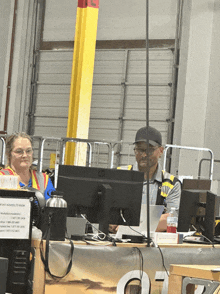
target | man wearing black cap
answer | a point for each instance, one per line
(164, 188)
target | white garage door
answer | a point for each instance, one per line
(118, 106)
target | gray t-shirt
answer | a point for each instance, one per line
(173, 198)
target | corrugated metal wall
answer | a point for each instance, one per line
(118, 106)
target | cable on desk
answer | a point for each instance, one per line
(124, 220)
(101, 238)
(202, 242)
(152, 243)
(198, 234)
(212, 243)
(141, 267)
(45, 259)
(97, 244)
(163, 263)
(213, 246)
(122, 216)
(140, 253)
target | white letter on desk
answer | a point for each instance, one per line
(134, 275)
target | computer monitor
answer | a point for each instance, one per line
(196, 184)
(103, 195)
(197, 212)
(16, 216)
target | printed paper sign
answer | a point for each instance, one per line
(9, 182)
(15, 216)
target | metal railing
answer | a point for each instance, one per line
(90, 143)
(62, 141)
(111, 151)
(200, 165)
(42, 141)
(3, 150)
(190, 148)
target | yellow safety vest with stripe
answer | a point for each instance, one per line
(168, 182)
(164, 188)
(39, 180)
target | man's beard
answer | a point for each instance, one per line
(146, 164)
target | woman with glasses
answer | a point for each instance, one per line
(19, 154)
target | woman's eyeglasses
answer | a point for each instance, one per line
(20, 152)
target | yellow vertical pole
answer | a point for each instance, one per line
(82, 78)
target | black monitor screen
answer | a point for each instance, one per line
(14, 243)
(104, 195)
(197, 212)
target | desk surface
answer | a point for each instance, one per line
(36, 244)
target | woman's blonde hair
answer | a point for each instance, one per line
(10, 142)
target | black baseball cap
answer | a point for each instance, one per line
(153, 135)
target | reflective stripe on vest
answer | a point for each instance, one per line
(39, 181)
(168, 183)
(126, 167)
(7, 172)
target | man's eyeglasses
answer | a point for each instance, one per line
(141, 151)
(20, 152)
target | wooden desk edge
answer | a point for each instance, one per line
(36, 244)
(195, 271)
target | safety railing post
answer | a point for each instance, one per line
(190, 148)
(3, 151)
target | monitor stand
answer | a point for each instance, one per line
(105, 197)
